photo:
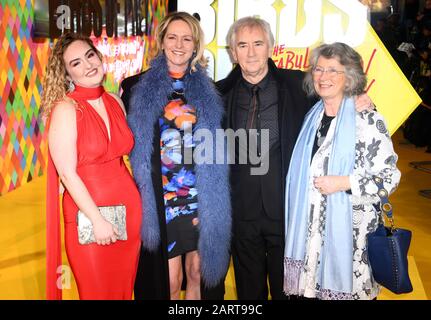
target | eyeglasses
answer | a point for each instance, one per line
(319, 71)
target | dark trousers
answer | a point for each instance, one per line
(258, 254)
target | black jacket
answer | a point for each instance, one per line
(293, 104)
(126, 87)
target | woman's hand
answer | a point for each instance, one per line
(104, 232)
(195, 221)
(331, 184)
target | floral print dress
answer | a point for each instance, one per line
(178, 175)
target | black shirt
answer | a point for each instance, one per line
(321, 133)
(267, 112)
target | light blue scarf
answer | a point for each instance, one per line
(336, 261)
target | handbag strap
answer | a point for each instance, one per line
(385, 205)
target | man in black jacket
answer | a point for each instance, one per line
(260, 96)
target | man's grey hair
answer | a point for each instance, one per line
(356, 80)
(249, 22)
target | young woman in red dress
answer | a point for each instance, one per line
(87, 138)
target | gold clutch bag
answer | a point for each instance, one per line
(116, 215)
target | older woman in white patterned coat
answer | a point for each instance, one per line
(330, 194)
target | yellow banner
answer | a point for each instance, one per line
(301, 25)
(389, 89)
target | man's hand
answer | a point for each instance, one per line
(363, 103)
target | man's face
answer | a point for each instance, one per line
(251, 51)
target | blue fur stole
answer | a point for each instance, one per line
(148, 98)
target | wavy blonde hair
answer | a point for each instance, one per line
(197, 34)
(55, 84)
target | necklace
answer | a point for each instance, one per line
(323, 129)
(180, 93)
(178, 90)
(96, 103)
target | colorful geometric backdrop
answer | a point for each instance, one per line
(22, 67)
(22, 63)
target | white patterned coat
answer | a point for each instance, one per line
(374, 156)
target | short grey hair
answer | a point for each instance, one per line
(356, 80)
(249, 22)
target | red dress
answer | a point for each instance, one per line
(101, 272)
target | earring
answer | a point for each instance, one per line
(71, 86)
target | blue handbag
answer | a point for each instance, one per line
(387, 249)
